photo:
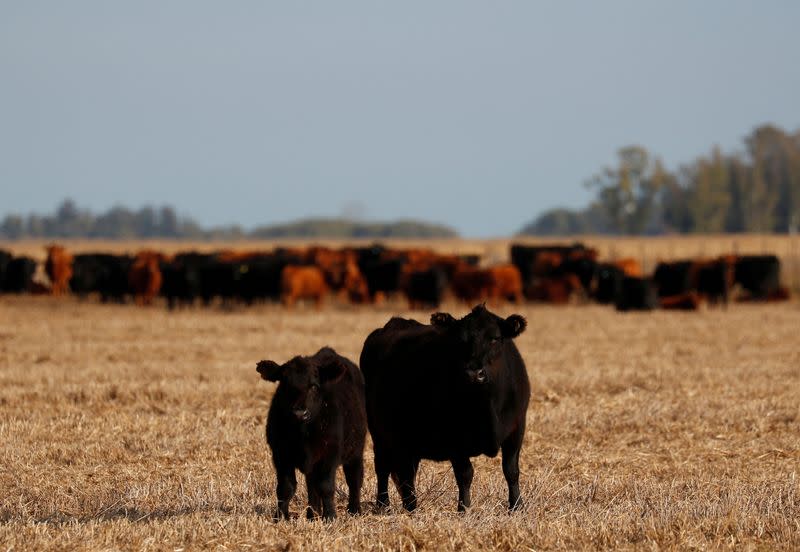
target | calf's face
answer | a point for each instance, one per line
(301, 383)
(478, 338)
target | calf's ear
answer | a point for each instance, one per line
(442, 319)
(332, 371)
(513, 325)
(269, 370)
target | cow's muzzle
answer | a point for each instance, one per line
(302, 414)
(478, 376)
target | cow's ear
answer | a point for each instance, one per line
(442, 319)
(332, 371)
(269, 370)
(513, 325)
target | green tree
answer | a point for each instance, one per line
(71, 222)
(628, 192)
(739, 175)
(709, 196)
(768, 205)
(12, 227)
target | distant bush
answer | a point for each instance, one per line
(148, 222)
(342, 228)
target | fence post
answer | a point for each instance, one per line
(795, 264)
(643, 257)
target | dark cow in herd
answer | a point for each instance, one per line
(636, 294)
(316, 423)
(555, 273)
(426, 288)
(759, 276)
(16, 273)
(685, 284)
(101, 273)
(447, 391)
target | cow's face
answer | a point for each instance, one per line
(302, 381)
(479, 337)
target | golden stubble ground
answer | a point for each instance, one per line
(136, 428)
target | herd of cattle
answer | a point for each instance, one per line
(445, 391)
(554, 274)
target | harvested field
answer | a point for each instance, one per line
(129, 428)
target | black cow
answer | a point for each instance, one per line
(582, 266)
(261, 280)
(636, 294)
(382, 275)
(759, 275)
(448, 391)
(425, 288)
(674, 278)
(220, 278)
(608, 283)
(316, 422)
(5, 258)
(182, 281)
(714, 280)
(101, 273)
(18, 276)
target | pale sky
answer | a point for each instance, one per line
(476, 114)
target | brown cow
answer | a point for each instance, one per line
(506, 283)
(629, 267)
(557, 290)
(331, 262)
(546, 262)
(144, 276)
(58, 267)
(342, 275)
(354, 283)
(471, 284)
(303, 282)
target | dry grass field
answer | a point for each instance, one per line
(135, 428)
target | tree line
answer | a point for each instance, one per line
(755, 190)
(149, 222)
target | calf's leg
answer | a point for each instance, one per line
(323, 481)
(354, 476)
(462, 468)
(511, 448)
(287, 483)
(314, 509)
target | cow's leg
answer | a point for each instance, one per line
(406, 471)
(314, 509)
(462, 468)
(324, 481)
(354, 476)
(287, 483)
(383, 469)
(511, 449)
